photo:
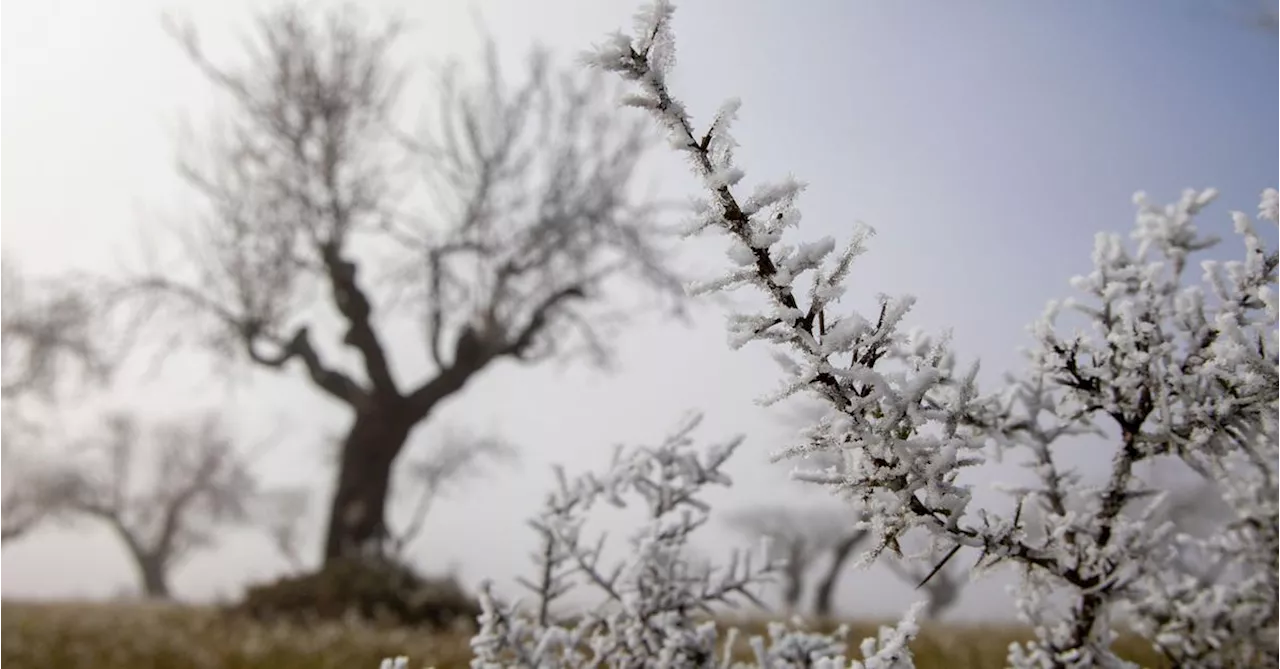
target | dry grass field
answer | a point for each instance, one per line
(146, 636)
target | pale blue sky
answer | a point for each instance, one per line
(986, 141)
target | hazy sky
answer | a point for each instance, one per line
(986, 142)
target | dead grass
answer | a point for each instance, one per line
(149, 636)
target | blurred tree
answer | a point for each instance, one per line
(501, 230)
(803, 537)
(811, 534)
(164, 491)
(24, 503)
(458, 457)
(48, 335)
(49, 340)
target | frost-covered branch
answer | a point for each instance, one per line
(907, 431)
(1183, 371)
(1163, 370)
(657, 602)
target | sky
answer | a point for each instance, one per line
(986, 142)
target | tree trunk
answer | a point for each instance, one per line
(151, 562)
(155, 582)
(793, 578)
(357, 519)
(826, 588)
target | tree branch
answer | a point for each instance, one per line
(538, 320)
(355, 307)
(334, 382)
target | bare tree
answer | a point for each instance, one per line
(26, 502)
(803, 537)
(46, 328)
(164, 491)
(48, 333)
(790, 540)
(282, 512)
(503, 231)
(806, 536)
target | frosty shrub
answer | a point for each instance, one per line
(1165, 368)
(656, 603)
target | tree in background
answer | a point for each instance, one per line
(49, 336)
(799, 539)
(503, 230)
(164, 490)
(839, 525)
(24, 500)
(458, 458)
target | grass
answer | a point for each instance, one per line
(156, 636)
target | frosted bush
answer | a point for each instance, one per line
(1189, 372)
(1163, 369)
(657, 603)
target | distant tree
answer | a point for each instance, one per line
(165, 491)
(50, 339)
(503, 229)
(804, 538)
(941, 587)
(24, 500)
(49, 334)
(824, 591)
(843, 539)
(798, 539)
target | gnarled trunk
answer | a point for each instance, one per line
(357, 519)
(824, 594)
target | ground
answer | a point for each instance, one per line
(152, 636)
